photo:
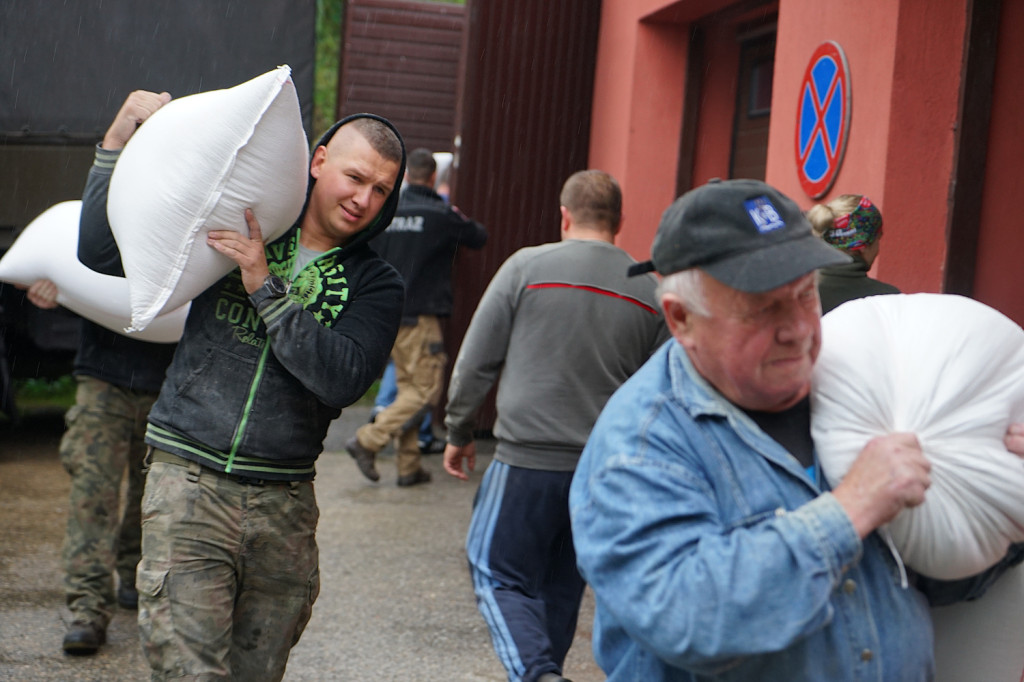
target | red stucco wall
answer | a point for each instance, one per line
(635, 128)
(905, 88)
(638, 106)
(905, 58)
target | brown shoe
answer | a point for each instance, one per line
(418, 476)
(84, 639)
(363, 457)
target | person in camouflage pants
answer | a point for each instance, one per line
(105, 436)
(118, 381)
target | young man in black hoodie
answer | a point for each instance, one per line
(229, 569)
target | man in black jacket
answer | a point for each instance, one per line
(230, 568)
(421, 243)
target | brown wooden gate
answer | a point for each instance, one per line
(519, 78)
(400, 60)
(524, 122)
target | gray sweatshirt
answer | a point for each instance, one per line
(564, 327)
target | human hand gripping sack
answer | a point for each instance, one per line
(42, 294)
(892, 364)
(246, 251)
(1014, 439)
(889, 475)
(139, 106)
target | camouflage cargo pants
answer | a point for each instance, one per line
(104, 438)
(229, 572)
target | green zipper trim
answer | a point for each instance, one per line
(273, 311)
(240, 431)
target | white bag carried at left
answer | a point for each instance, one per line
(194, 166)
(48, 249)
(950, 370)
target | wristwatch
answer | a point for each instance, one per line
(273, 287)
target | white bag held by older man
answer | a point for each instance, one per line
(48, 249)
(951, 371)
(194, 166)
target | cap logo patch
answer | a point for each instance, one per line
(763, 214)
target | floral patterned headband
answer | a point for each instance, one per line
(853, 231)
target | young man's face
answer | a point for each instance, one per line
(352, 182)
(758, 350)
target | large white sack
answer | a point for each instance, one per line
(48, 249)
(951, 371)
(194, 166)
(983, 639)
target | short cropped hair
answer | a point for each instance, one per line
(420, 166)
(380, 136)
(593, 197)
(688, 285)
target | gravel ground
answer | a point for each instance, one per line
(395, 604)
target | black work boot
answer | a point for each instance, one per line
(127, 597)
(416, 477)
(84, 639)
(363, 457)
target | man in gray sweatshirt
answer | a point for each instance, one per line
(564, 326)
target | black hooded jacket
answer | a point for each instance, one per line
(253, 392)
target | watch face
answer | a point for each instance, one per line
(276, 286)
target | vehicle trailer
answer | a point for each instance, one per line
(67, 68)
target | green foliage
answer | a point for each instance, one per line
(328, 57)
(35, 393)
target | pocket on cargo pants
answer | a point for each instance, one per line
(186, 576)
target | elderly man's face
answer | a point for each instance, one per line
(758, 350)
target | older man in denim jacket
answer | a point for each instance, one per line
(714, 547)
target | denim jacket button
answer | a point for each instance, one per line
(866, 655)
(780, 511)
(849, 586)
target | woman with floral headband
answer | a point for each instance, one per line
(852, 224)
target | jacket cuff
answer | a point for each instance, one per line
(459, 436)
(833, 532)
(105, 159)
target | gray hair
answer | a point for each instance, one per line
(688, 285)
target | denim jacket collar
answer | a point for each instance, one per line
(702, 400)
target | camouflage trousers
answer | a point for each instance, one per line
(229, 572)
(419, 359)
(104, 438)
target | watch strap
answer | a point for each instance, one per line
(273, 287)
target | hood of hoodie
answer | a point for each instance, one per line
(387, 212)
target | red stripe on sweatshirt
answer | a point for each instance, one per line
(593, 290)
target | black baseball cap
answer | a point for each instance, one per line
(744, 233)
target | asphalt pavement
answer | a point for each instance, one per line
(396, 602)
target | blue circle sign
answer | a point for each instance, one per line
(823, 119)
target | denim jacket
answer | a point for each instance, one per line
(713, 556)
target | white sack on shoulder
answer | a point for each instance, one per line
(48, 249)
(195, 166)
(950, 370)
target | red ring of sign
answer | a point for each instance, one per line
(834, 150)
